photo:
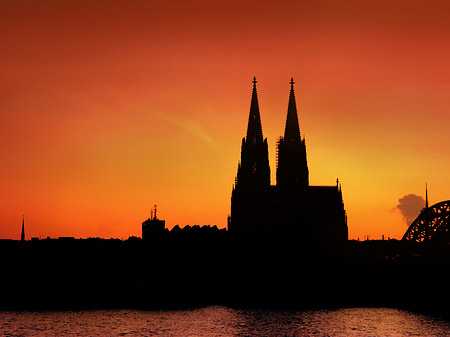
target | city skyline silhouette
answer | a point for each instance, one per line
(110, 108)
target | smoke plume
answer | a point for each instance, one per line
(410, 206)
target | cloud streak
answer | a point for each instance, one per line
(192, 127)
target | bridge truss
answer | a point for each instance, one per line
(432, 224)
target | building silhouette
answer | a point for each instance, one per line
(153, 227)
(313, 214)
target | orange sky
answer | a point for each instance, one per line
(109, 107)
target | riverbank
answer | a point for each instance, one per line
(96, 273)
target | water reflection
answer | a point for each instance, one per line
(219, 321)
(343, 322)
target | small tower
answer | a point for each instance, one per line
(22, 235)
(153, 227)
(426, 196)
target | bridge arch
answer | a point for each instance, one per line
(432, 224)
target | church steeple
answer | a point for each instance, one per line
(254, 128)
(292, 166)
(292, 128)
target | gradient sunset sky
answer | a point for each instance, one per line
(109, 107)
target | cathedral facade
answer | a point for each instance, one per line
(312, 214)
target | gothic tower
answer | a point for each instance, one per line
(292, 166)
(253, 170)
(250, 192)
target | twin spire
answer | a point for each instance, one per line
(254, 128)
(292, 167)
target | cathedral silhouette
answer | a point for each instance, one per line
(292, 208)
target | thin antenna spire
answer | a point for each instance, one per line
(22, 236)
(426, 195)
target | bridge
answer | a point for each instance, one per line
(432, 224)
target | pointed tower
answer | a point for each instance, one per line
(292, 129)
(250, 192)
(253, 170)
(292, 166)
(254, 128)
(22, 236)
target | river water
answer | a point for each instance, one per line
(218, 321)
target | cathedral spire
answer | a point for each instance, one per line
(292, 128)
(254, 170)
(254, 128)
(292, 166)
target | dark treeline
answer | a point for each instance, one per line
(213, 267)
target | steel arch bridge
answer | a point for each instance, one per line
(432, 224)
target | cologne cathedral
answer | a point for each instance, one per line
(292, 208)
